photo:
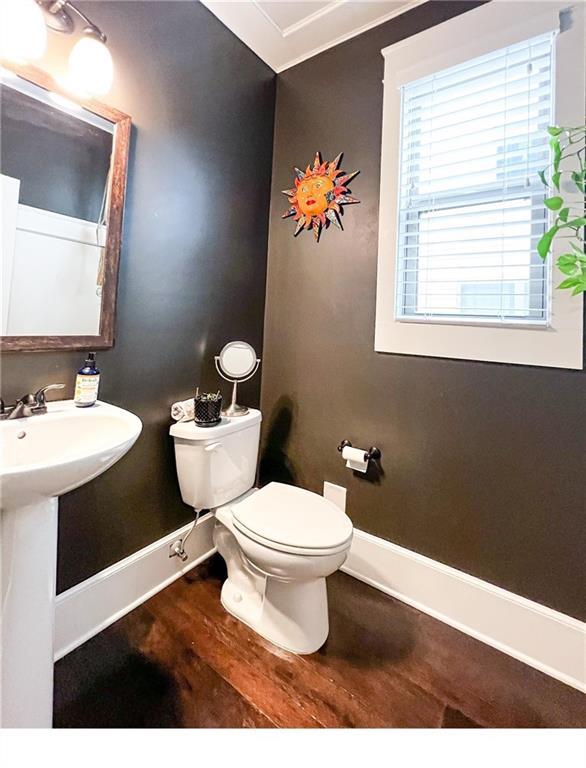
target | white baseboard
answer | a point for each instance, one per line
(536, 635)
(88, 608)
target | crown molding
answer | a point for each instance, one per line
(285, 47)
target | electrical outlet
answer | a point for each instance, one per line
(336, 494)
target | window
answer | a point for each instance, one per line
(479, 298)
(459, 274)
(470, 200)
(479, 246)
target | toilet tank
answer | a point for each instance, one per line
(216, 464)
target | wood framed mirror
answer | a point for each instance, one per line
(63, 166)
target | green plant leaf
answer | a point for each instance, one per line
(554, 143)
(544, 244)
(554, 203)
(580, 288)
(579, 250)
(567, 263)
(579, 222)
(563, 214)
(541, 175)
(568, 270)
(567, 258)
(555, 179)
(570, 282)
(554, 130)
(580, 257)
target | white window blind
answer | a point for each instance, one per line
(471, 210)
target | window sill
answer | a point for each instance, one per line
(538, 325)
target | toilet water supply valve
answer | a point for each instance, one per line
(357, 458)
(177, 548)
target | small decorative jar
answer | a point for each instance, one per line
(208, 408)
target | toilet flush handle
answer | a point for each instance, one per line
(212, 447)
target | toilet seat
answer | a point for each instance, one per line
(291, 519)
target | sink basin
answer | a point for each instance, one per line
(41, 458)
(48, 455)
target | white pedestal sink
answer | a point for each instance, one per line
(41, 458)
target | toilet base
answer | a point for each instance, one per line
(290, 614)
(289, 610)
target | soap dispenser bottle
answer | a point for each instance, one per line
(87, 383)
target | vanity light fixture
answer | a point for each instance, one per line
(91, 69)
(24, 37)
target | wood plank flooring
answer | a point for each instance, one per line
(180, 660)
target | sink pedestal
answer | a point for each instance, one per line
(28, 552)
(41, 458)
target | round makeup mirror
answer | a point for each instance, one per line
(236, 362)
(237, 359)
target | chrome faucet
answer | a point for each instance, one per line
(29, 405)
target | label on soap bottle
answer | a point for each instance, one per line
(86, 388)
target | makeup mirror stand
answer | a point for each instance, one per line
(234, 409)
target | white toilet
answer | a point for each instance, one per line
(279, 542)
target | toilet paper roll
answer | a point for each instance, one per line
(355, 459)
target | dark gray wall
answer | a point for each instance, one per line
(62, 161)
(482, 463)
(193, 263)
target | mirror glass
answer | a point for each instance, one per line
(55, 164)
(237, 359)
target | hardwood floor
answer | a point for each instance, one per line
(180, 660)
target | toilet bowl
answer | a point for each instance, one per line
(279, 542)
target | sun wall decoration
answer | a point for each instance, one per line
(318, 196)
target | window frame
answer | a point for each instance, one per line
(557, 343)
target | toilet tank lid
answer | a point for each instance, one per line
(285, 514)
(188, 430)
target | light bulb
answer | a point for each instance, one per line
(23, 35)
(91, 70)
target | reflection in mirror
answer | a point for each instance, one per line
(236, 362)
(237, 359)
(55, 165)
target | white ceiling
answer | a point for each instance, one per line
(285, 32)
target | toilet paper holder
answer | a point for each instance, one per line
(372, 454)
